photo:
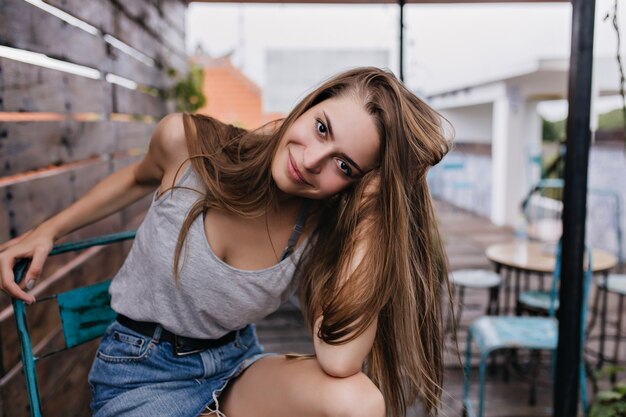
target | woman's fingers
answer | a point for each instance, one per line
(8, 280)
(36, 265)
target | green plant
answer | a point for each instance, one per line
(622, 77)
(610, 402)
(553, 131)
(188, 90)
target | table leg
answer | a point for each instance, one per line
(605, 300)
(594, 312)
(618, 335)
(517, 291)
(507, 295)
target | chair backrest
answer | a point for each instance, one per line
(85, 313)
(542, 208)
(556, 277)
(606, 203)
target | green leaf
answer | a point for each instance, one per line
(604, 396)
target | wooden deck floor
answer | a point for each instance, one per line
(466, 238)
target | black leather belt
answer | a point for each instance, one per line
(182, 345)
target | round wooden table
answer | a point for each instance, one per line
(539, 257)
(527, 258)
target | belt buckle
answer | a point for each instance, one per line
(176, 345)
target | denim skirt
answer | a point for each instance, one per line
(137, 375)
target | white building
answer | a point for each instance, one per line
(502, 114)
(290, 74)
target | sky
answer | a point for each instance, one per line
(446, 46)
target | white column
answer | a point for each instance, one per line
(508, 156)
(533, 145)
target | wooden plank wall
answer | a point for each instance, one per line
(61, 133)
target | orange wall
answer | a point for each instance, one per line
(232, 98)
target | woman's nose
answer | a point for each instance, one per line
(314, 156)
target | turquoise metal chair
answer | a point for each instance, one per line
(615, 284)
(85, 313)
(493, 333)
(539, 300)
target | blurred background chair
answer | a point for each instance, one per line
(542, 210)
(479, 279)
(611, 328)
(494, 333)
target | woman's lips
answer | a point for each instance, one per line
(294, 173)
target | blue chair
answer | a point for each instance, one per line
(480, 279)
(610, 284)
(493, 333)
(538, 300)
(85, 313)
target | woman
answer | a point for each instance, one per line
(348, 168)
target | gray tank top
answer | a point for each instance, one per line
(212, 297)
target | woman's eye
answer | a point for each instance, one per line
(344, 167)
(321, 128)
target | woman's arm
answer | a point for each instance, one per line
(167, 148)
(347, 359)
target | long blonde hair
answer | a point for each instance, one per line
(400, 279)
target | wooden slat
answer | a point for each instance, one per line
(174, 12)
(35, 145)
(133, 214)
(25, 87)
(133, 137)
(34, 201)
(47, 35)
(95, 13)
(138, 103)
(172, 61)
(25, 26)
(4, 218)
(100, 14)
(126, 30)
(126, 66)
(149, 15)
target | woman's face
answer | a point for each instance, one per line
(330, 146)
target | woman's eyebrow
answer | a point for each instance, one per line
(343, 155)
(347, 158)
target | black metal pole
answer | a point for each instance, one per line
(401, 3)
(566, 389)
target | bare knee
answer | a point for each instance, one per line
(353, 396)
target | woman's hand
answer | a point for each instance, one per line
(35, 245)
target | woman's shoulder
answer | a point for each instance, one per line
(169, 141)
